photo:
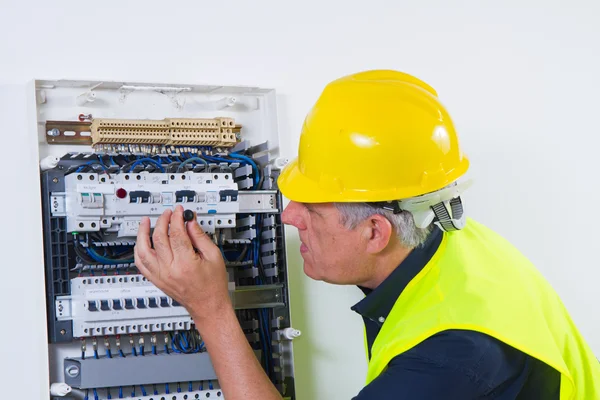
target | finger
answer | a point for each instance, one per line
(180, 242)
(144, 265)
(160, 237)
(201, 240)
(145, 256)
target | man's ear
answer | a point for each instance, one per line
(378, 232)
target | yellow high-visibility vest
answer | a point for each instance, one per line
(478, 281)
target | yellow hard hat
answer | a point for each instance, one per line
(374, 136)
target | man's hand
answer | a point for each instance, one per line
(184, 263)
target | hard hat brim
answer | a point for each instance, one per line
(295, 186)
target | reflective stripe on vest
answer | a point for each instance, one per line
(478, 281)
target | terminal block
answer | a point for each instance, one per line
(217, 132)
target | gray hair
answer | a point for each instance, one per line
(408, 233)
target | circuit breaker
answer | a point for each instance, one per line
(113, 152)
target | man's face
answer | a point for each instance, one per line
(331, 252)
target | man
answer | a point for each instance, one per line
(452, 311)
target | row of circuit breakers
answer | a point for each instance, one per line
(114, 333)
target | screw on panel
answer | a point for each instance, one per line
(72, 371)
(54, 132)
(62, 331)
(55, 180)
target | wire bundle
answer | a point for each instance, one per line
(186, 342)
(111, 255)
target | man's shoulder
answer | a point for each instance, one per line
(454, 364)
(467, 350)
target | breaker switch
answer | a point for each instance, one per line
(139, 196)
(152, 302)
(117, 304)
(185, 196)
(92, 306)
(141, 303)
(231, 194)
(164, 302)
(129, 304)
(104, 305)
(92, 200)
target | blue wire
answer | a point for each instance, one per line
(166, 388)
(166, 349)
(190, 160)
(80, 168)
(133, 352)
(108, 395)
(173, 347)
(155, 390)
(251, 162)
(210, 385)
(87, 392)
(108, 353)
(143, 390)
(141, 350)
(190, 387)
(263, 342)
(263, 319)
(95, 395)
(121, 392)
(121, 353)
(104, 260)
(96, 354)
(153, 349)
(112, 161)
(133, 391)
(149, 160)
(101, 162)
(218, 159)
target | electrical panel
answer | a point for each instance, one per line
(111, 153)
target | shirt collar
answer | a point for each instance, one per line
(379, 301)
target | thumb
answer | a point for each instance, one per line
(200, 240)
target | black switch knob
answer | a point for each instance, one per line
(188, 215)
(117, 304)
(104, 305)
(141, 303)
(92, 306)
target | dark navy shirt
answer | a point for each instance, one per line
(453, 364)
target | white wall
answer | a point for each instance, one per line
(520, 78)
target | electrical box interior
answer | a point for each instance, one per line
(113, 152)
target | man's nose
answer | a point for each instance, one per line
(293, 215)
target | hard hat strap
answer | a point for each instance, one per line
(443, 207)
(448, 222)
